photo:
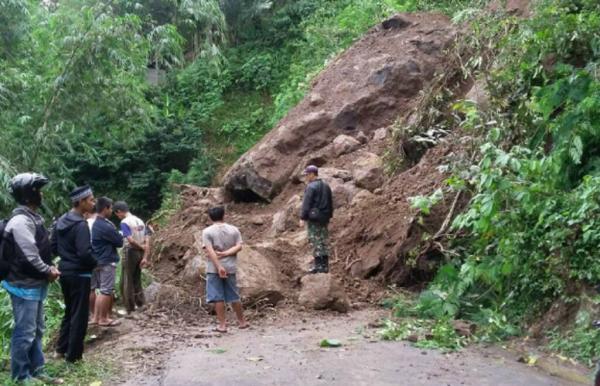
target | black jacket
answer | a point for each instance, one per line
(71, 241)
(317, 205)
(105, 241)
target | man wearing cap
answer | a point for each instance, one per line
(317, 210)
(72, 242)
(27, 269)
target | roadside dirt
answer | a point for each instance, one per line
(282, 348)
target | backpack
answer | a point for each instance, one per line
(5, 252)
(6, 246)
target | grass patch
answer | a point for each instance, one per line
(83, 373)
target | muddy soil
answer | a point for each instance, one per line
(283, 349)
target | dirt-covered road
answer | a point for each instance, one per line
(286, 352)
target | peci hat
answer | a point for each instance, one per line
(80, 192)
(311, 169)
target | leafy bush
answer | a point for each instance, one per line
(530, 232)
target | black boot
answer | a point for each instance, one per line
(316, 266)
(324, 264)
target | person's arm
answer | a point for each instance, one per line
(83, 245)
(23, 231)
(111, 235)
(212, 255)
(229, 252)
(306, 202)
(330, 200)
(144, 261)
(54, 239)
(233, 250)
(129, 236)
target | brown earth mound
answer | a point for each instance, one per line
(364, 89)
(343, 127)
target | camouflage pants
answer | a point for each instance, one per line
(318, 236)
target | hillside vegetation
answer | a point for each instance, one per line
(76, 105)
(526, 243)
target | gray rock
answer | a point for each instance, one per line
(321, 291)
(288, 218)
(344, 144)
(258, 278)
(380, 134)
(479, 94)
(368, 172)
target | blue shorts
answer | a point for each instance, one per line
(221, 290)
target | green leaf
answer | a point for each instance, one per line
(330, 343)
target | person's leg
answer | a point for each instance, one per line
(137, 281)
(62, 345)
(215, 294)
(36, 356)
(79, 317)
(95, 285)
(232, 296)
(312, 239)
(127, 289)
(23, 336)
(321, 238)
(106, 283)
(220, 311)
(93, 311)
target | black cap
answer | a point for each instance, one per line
(80, 192)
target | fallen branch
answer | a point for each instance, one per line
(348, 266)
(448, 218)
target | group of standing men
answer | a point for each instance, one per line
(87, 241)
(88, 259)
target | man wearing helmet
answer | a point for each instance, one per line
(27, 248)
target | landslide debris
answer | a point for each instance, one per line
(343, 126)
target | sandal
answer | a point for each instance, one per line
(112, 323)
(245, 326)
(217, 329)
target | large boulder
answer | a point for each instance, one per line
(258, 278)
(344, 144)
(365, 88)
(194, 263)
(321, 291)
(288, 218)
(343, 192)
(368, 172)
(194, 270)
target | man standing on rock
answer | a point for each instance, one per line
(317, 210)
(72, 242)
(222, 243)
(136, 248)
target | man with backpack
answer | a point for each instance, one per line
(27, 269)
(72, 242)
(317, 210)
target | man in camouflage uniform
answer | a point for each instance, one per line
(317, 210)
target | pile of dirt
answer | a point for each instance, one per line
(366, 88)
(342, 126)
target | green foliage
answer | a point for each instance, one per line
(531, 230)
(429, 334)
(581, 343)
(425, 203)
